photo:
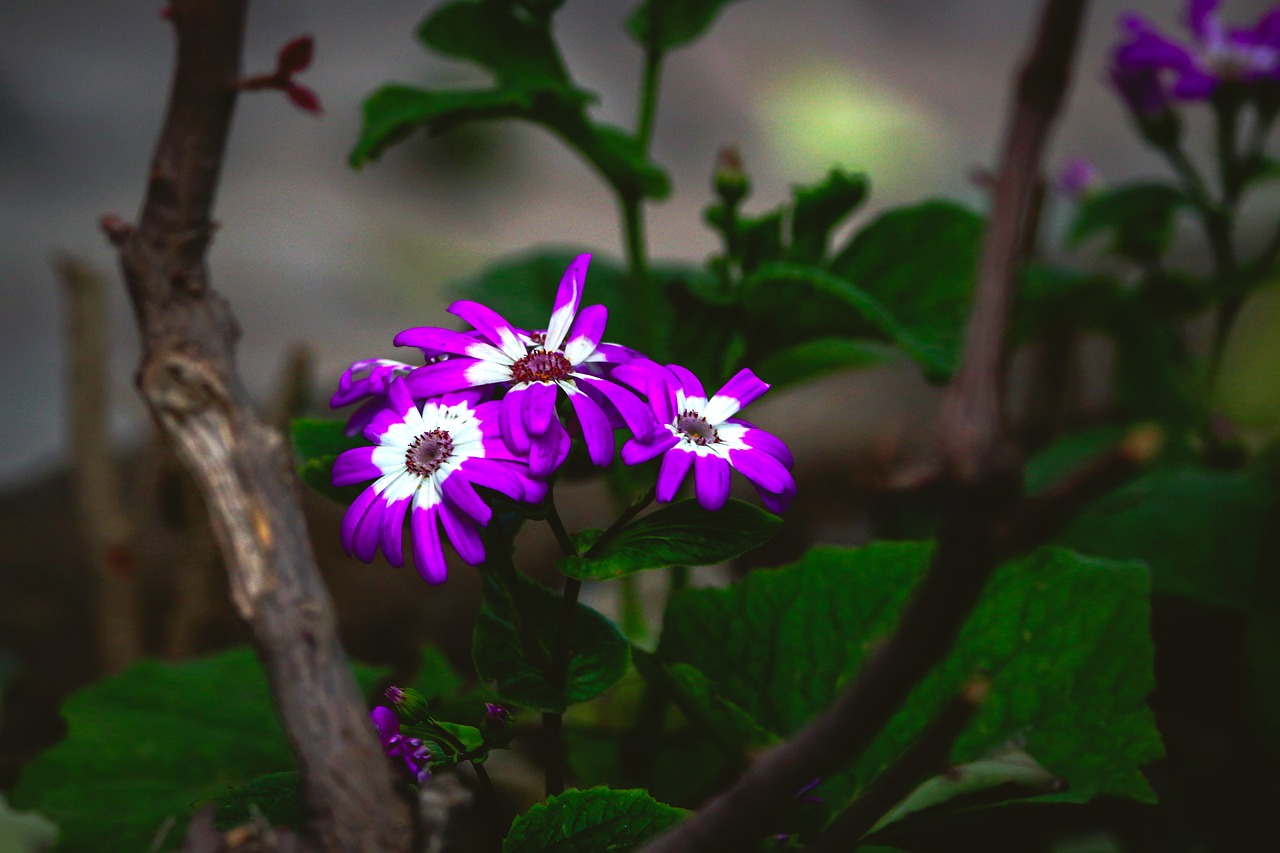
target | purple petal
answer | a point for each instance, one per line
(711, 481)
(445, 376)
(675, 465)
(586, 333)
(428, 557)
(459, 492)
(538, 407)
(688, 382)
(362, 416)
(613, 354)
(463, 534)
(446, 340)
(1153, 53)
(634, 452)
(1201, 19)
(1195, 85)
(354, 466)
(767, 473)
(512, 422)
(739, 392)
(776, 503)
(768, 442)
(364, 544)
(596, 431)
(494, 475)
(399, 398)
(1268, 29)
(386, 722)
(548, 451)
(492, 325)
(568, 298)
(351, 520)
(393, 531)
(635, 413)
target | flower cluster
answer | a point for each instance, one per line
(1150, 69)
(496, 407)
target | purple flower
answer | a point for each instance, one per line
(1077, 178)
(426, 463)
(1141, 90)
(704, 435)
(409, 753)
(536, 368)
(1214, 56)
(352, 386)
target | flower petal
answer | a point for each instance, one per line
(463, 534)
(767, 473)
(596, 432)
(1201, 19)
(736, 394)
(428, 556)
(548, 451)
(447, 340)
(454, 375)
(364, 544)
(711, 481)
(768, 442)
(355, 513)
(638, 417)
(511, 421)
(568, 298)
(492, 325)
(635, 452)
(503, 478)
(354, 466)
(586, 333)
(538, 407)
(393, 528)
(459, 492)
(675, 465)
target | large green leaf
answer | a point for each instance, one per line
(1139, 217)
(683, 534)
(516, 47)
(920, 262)
(519, 674)
(666, 24)
(145, 745)
(820, 208)
(811, 359)
(1063, 638)
(591, 821)
(317, 443)
(1199, 529)
(789, 304)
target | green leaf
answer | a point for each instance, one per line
(1199, 529)
(667, 24)
(143, 746)
(786, 305)
(591, 821)
(517, 49)
(519, 674)
(811, 359)
(1138, 216)
(1056, 298)
(24, 832)
(318, 442)
(277, 796)
(1067, 454)
(436, 678)
(1063, 638)
(920, 263)
(683, 534)
(760, 240)
(819, 209)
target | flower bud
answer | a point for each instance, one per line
(497, 728)
(730, 179)
(411, 706)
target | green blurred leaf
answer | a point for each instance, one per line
(1139, 217)
(1154, 373)
(24, 832)
(600, 652)
(920, 263)
(811, 359)
(786, 305)
(590, 821)
(1199, 529)
(1067, 454)
(1063, 638)
(1056, 298)
(759, 240)
(278, 796)
(143, 746)
(820, 208)
(515, 46)
(436, 677)
(317, 443)
(683, 534)
(667, 24)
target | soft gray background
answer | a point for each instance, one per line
(312, 251)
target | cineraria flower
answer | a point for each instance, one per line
(1216, 54)
(535, 368)
(428, 461)
(410, 754)
(703, 435)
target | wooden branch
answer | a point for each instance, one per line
(243, 467)
(925, 758)
(985, 481)
(118, 628)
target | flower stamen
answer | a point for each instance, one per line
(696, 428)
(542, 366)
(426, 453)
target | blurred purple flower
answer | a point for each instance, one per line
(1214, 55)
(428, 460)
(704, 435)
(534, 367)
(1077, 177)
(410, 754)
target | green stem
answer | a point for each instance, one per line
(638, 263)
(636, 507)
(552, 723)
(505, 572)
(648, 98)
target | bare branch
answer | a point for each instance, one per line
(243, 468)
(985, 480)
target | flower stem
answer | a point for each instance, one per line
(553, 723)
(636, 507)
(648, 98)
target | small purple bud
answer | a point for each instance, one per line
(1077, 178)
(497, 728)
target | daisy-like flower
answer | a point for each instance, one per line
(410, 754)
(427, 463)
(1215, 55)
(536, 368)
(704, 435)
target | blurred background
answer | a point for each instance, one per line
(314, 254)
